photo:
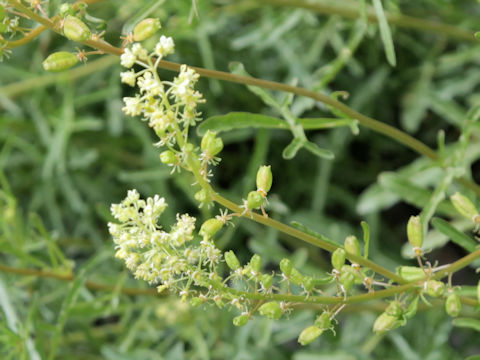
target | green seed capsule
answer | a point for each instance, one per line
(464, 206)
(352, 246)
(309, 334)
(75, 29)
(308, 283)
(231, 260)
(412, 308)
(338, 258)
(411, 273)
(323, 321)
(394, 309)
(240, 320)
(271, 310)
(347, 279)
(145, 29)
(415, 231)
(453, 306)
(286, 267)
(196, 302)
(210, 227)
(256, 263)
(435, 288)
(210, 144)
(59, 61)
(267, 281)
(385, 323)
(168, 157)
(264, 179)
(295, 277)
(254, 200)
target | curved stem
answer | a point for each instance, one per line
(395, 19)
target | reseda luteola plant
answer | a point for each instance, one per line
(184, 259)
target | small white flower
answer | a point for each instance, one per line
(165, 46)
(127, 59)
(128, 77)
(139, 51)
(133, 106)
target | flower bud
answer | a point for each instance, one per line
(210, 227)
(219, 302)
(254, 200)
(231, 260)
(196, 302)
(256, 263)
(201, 196)
(145, 29)
(295, 277)
(394, 309)
(309, 334)
(464, 206)
(168, 157)
(211, 144)
(415, 231)
(240, 320)
(286, 267)
(338, 258)
(264, 179)
(453, 306)
(435, 288)
(59, 61)
(385, 323)
(75, 29)
(347, 279)
(323, 320)
(411, 273)
(267, 281)
(271, 310)
(352, 246)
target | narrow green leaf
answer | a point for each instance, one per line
(316, 150)
(291, 150)
(385, 32)
(241, 120)
(307, 230)
(467, 323)
(456, 236)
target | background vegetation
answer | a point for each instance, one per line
(67, 152)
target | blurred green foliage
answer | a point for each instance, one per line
(67, 152)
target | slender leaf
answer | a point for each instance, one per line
(467, 323)
(456, 236)
(385, 32)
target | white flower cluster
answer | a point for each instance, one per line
(167, 106)
(153, 254)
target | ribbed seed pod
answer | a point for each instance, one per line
(61, 60)
(145, 29)
(75, 29)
